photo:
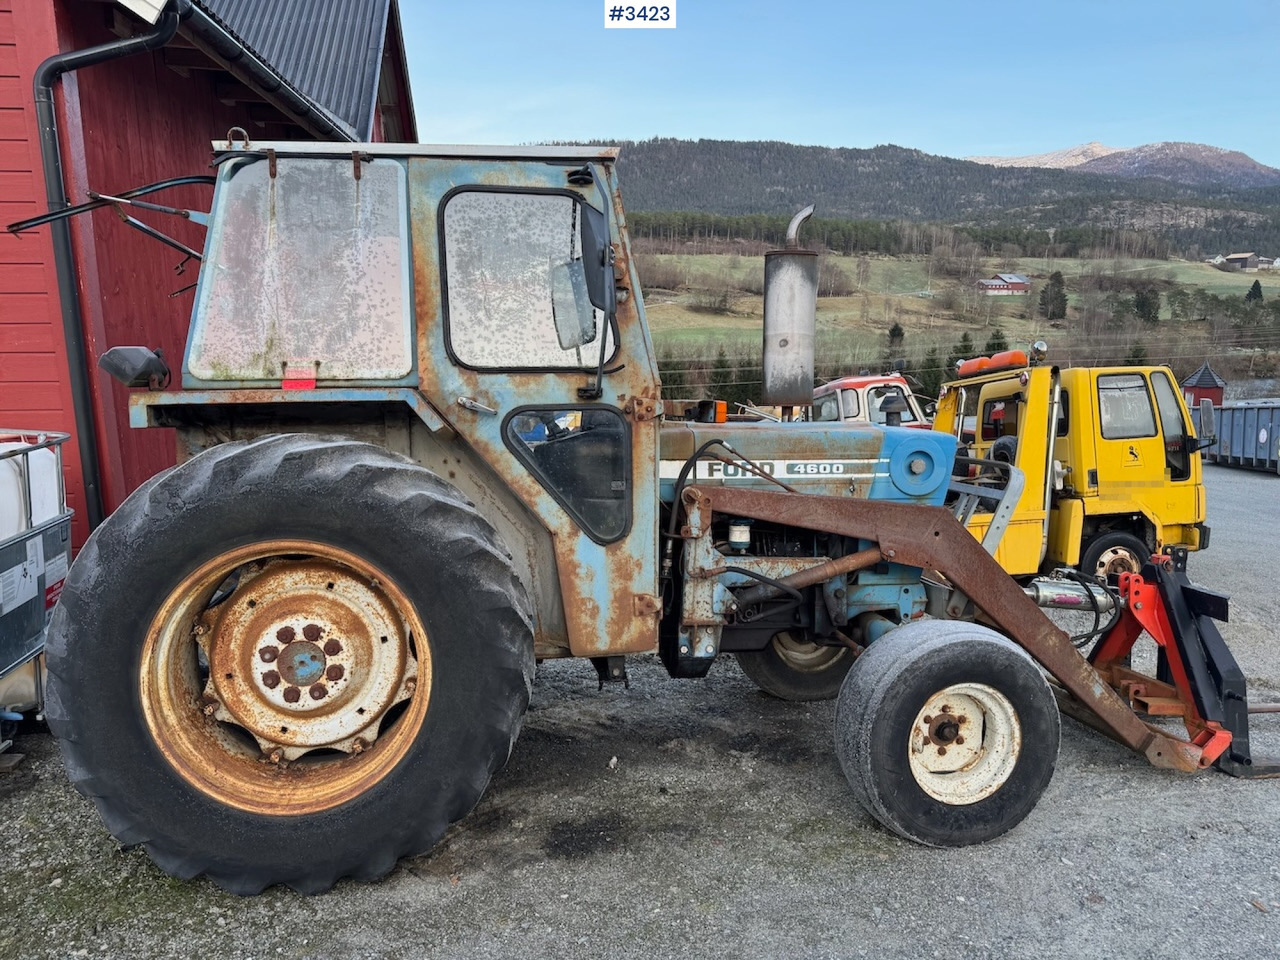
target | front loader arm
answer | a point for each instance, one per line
(931, 538)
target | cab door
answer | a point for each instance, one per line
(510, 352)
(1130, 451)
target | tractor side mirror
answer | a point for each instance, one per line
(597, 258)
(571, 305)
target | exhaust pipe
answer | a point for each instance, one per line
(790, 317)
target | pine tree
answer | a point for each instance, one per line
(932, 374)
(963, 350)
(996, 342)
(1146, 304)
(1053, 298)
(722, 375)
(673, 371)
(1255, 292)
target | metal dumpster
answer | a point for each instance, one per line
(35, 551)
(1248, 435)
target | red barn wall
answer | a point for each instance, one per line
(34, 389)
(134, 121)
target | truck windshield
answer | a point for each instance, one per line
(305, 265)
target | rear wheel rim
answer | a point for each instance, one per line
(964, 743)
(804, 656)
(299, 691)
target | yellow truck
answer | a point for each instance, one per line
(1110, 464)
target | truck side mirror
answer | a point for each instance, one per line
(1208, 426)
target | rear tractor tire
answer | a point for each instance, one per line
(288, 661)
(791, 667)
(947, 732)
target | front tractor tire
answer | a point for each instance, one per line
(288, 661)
(947, 732)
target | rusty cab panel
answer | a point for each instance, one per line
(450, 304)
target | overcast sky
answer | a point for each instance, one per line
(954, 78)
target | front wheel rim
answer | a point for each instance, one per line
(964, 743)
(1117, 560)
(300, 687)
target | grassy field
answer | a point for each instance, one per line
(709, 301)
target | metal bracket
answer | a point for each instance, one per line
(641, 409)
(646, 605)
(611, 670)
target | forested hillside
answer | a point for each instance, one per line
(893, 183)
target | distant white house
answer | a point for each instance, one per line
(1266, 263)
(1219, 259)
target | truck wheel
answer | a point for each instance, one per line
(947, 732)
(1114, 551)
(792, 668)
(289, 660)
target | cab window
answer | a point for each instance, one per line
(511, 261)
(827, 408)
(878, 396)
(1000, 418)
(1124, 406)
(581, 455)
(1176, 453)
(851, 406)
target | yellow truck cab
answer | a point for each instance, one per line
(1111, 467)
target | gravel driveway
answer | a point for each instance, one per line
(693, 818)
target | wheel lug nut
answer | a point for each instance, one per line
(318, 691)
(311, 632)
(272, 680)
(928, 719)
(942, 751)
(333, 648)
(267, 654)
(334, 671)
(959, 740)
(210, 708)
(292, 694)
(286, 634)
(945, 708)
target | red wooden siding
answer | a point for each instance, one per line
(138, 122)
(34, 392)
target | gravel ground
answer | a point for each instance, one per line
(724, 826)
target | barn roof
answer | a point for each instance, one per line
(1240, 256)
(1012, 278)
(1204, 377)
(330, 51)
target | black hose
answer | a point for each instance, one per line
(797, 598)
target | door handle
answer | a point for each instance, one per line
(476, 406)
